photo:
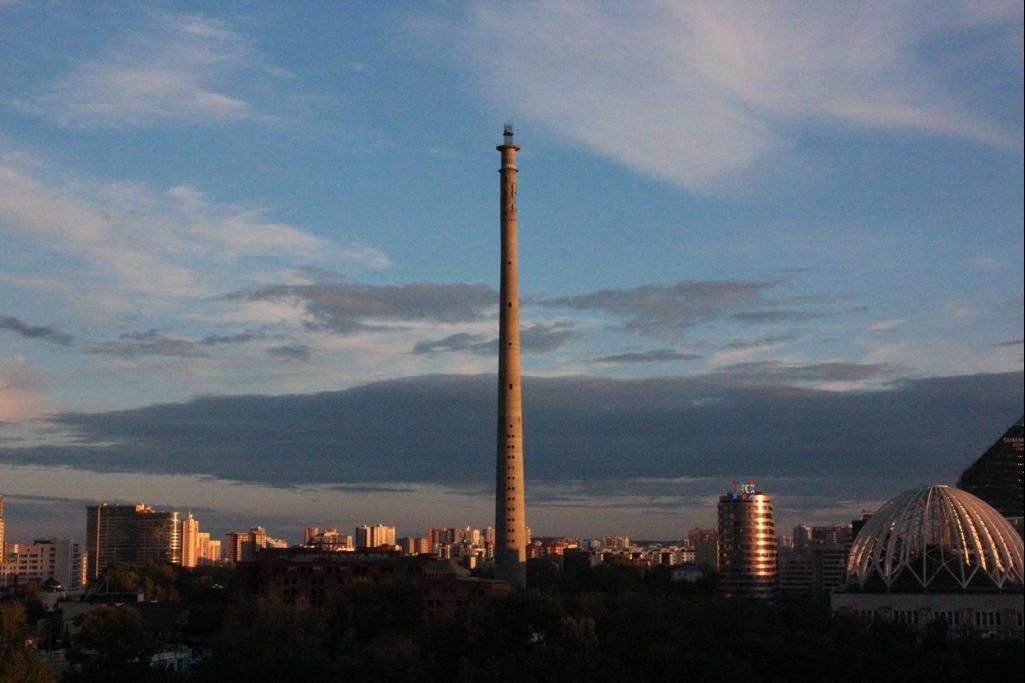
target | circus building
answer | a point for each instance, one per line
(937, 553)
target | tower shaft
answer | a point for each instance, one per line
(510, 518)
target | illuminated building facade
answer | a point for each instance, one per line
(36, 562)
(747, 544)
(937, 553)
(375, 536)
(328, 539)
(242, 546)
(190, 541)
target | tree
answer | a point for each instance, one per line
(112, 645)
(17, 663)
(266, 640)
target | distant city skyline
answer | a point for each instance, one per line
(241, 245)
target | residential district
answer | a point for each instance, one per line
(934, 555)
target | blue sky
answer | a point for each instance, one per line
(220, 200)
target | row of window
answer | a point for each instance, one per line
(951, 617)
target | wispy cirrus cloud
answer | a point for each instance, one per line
(179, 68)
(129, 238)
(718, 87)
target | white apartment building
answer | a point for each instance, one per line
(59, 559)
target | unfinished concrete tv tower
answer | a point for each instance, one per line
(510, 518)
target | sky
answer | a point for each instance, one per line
(249, 257)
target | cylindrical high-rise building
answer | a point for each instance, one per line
(747, 544)
(510, 518)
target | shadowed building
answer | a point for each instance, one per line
(997, 476)
(510, 518)
(303, 575)
(131, 533)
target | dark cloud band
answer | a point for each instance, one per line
(440, 429)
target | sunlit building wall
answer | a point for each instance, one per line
(375, 536)
(747, 544)
(58, 559)
(190, 541)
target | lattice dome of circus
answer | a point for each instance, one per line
(936, 539)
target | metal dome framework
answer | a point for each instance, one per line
(937, 538)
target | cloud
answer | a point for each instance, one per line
(287, 352)
(460, 341)
(370, 488)
(545, 338)
(348, 307)
(777, 372)
(1006, 344)
(122, 238)
(178, 69)
(989, 263)
(148, 343)
(153, 342)
(970, 312)
(33, 331)
(239, 338)
(21, 395)
(660, 309)
(778, 316)
(759, 342)
(720, 87)
(539, 338)
(724, 424)
(885, 325)
(653, 356)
